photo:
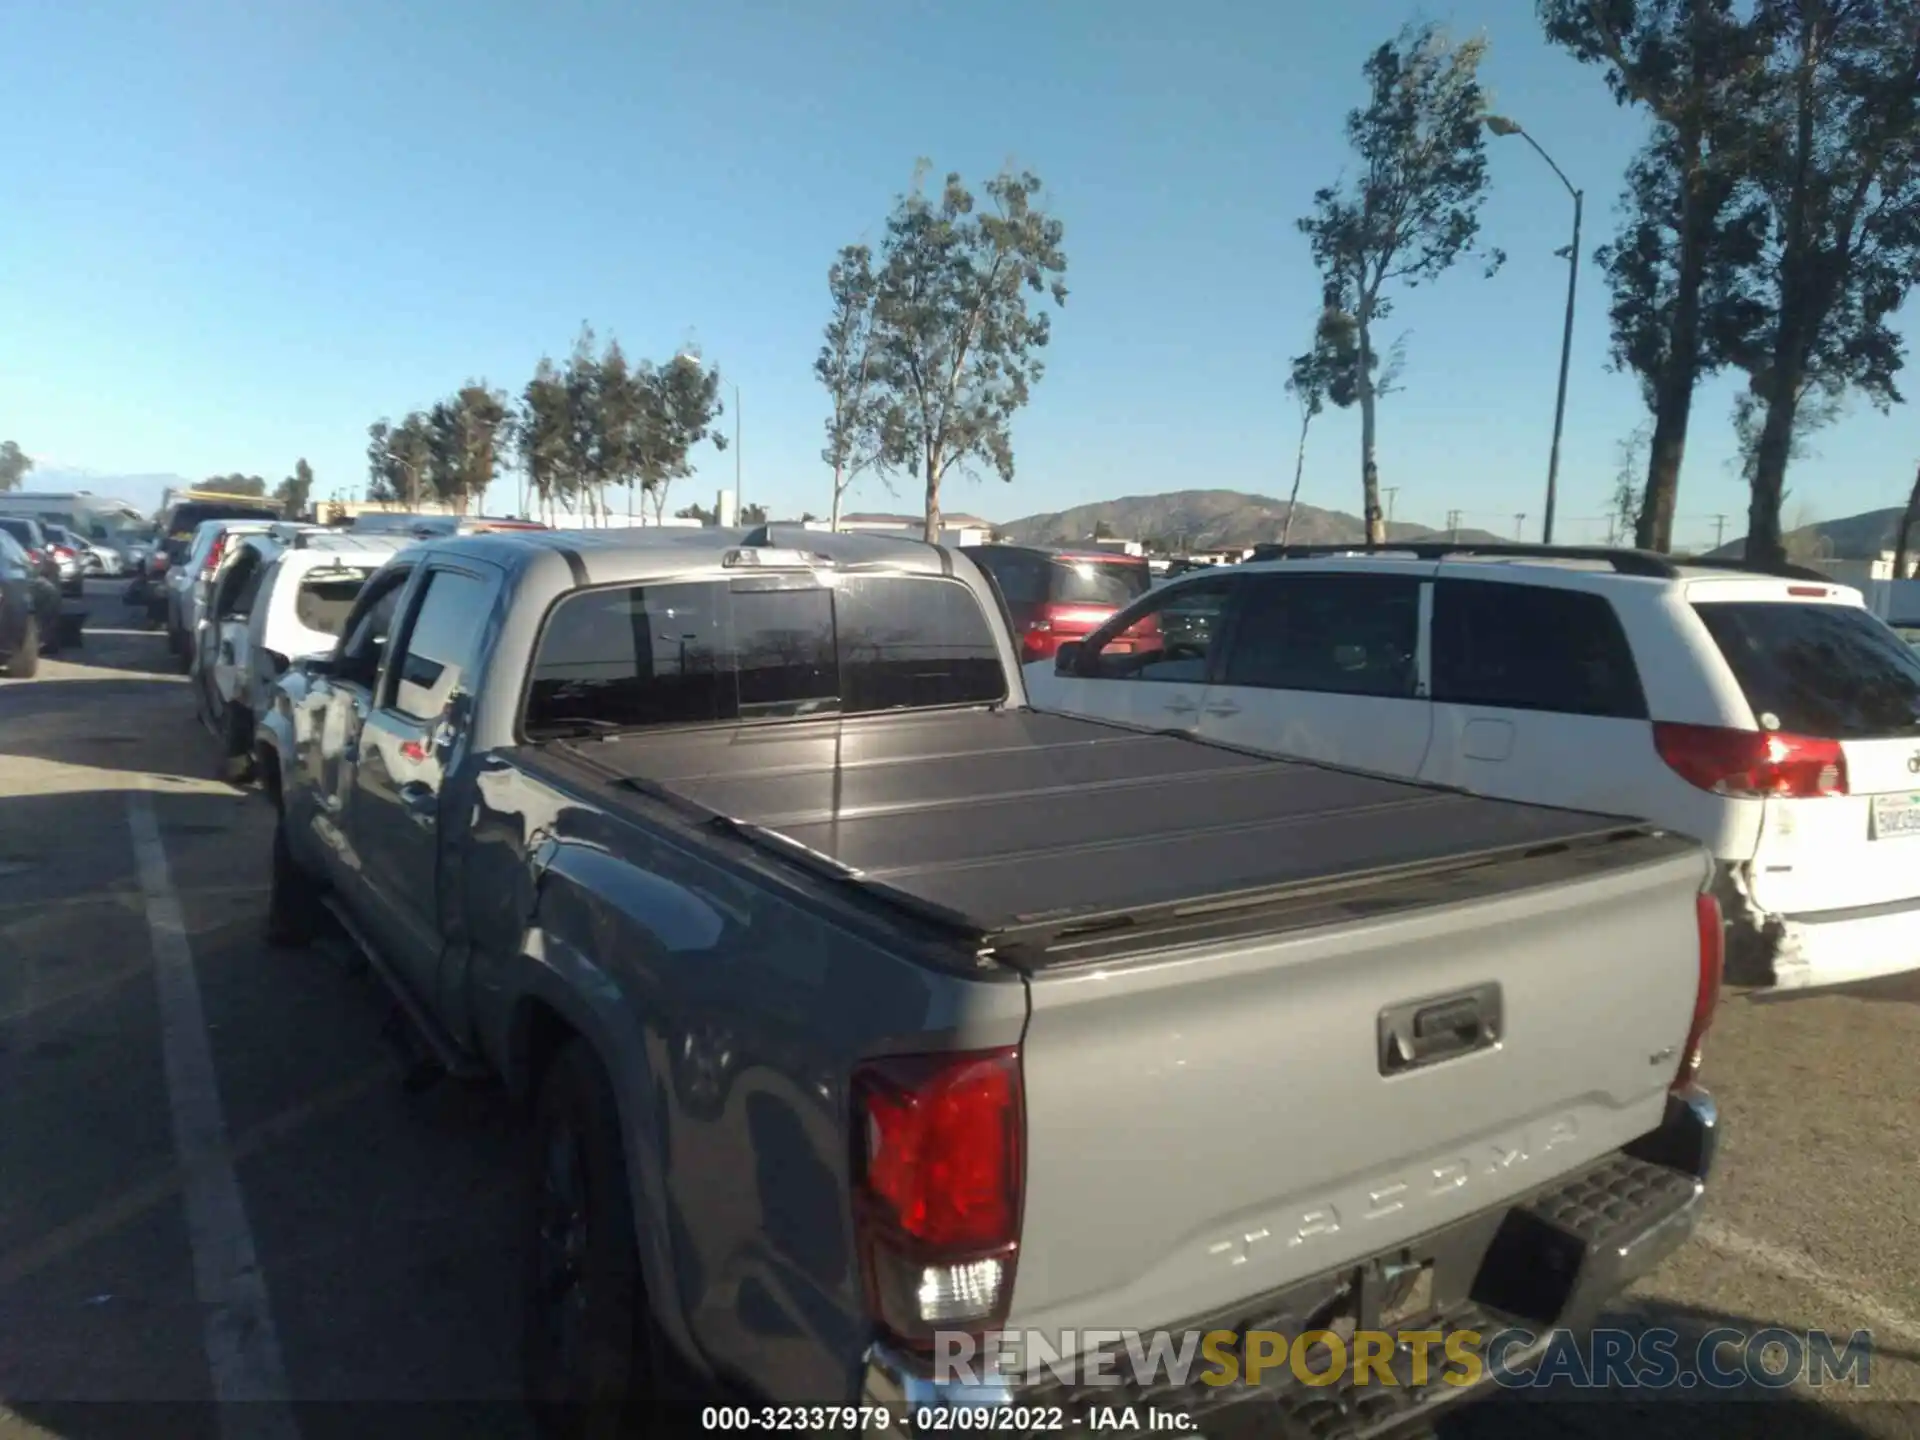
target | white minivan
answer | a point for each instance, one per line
(1770, 715)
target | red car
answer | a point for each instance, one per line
(1055, 594)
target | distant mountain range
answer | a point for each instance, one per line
(1208, 520)
(1853, 537)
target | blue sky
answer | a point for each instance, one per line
(238, 233)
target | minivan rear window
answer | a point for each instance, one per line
(1831, 671)
(1078, 581)
(769, 647)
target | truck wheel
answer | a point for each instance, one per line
(294, 912)
(236, 765)
(26, 660)
(587, 1343)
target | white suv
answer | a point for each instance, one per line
(1770, 715)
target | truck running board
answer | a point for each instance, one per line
(445, 1055)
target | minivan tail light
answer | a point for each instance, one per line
(1706, 995)
(1752, 764)
(939, 1145)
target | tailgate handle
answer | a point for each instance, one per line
(1417, 1033)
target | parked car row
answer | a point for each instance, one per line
(50, 550)
(829, 971)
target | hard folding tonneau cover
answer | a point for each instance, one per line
(1015, 826)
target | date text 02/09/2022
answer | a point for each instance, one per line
(872, 1419)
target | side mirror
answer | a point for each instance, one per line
(1066, 660)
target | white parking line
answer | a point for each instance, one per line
(1847, 1296)
(243, 1351)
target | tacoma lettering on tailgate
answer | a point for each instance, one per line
(1508, 1156)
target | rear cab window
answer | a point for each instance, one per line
(1512, 646)
(759, 648)
(1829, 671)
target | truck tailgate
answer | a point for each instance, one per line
(1210, 1124)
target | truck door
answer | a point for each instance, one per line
(413, 735)
(337, 706)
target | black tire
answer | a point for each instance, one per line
(589, 1353)
(236, 765)
(206, 698)
(25, 663)
(295, 916)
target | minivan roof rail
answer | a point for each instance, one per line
(1650, 564)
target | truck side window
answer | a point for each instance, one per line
(359, 655)
(441, 644)
(1532, 647)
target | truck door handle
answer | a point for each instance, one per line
(1181, 707)
(421, 804)
(1223, 710)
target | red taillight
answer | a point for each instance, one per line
(213, 555)
(36, 556)
(1752, 764)
(1706, 998)
(937, 1172)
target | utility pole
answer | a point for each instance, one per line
(1453, 524)
(1719, 530)
(1519, 526)
(1392, 490)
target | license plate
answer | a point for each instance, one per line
(1895, 816)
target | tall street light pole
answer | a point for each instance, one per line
(1500, 125)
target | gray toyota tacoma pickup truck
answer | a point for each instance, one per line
(860, 1010)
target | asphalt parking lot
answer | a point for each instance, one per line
(208, 1165)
